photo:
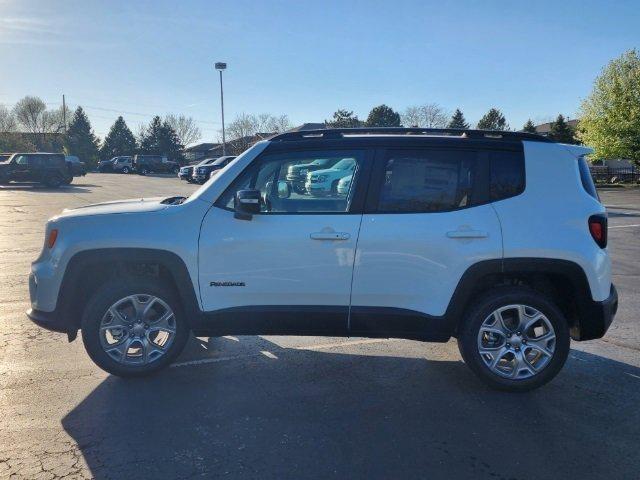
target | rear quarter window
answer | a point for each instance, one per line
(507, 177)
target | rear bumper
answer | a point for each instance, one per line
(596, 318)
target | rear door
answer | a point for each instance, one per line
(426, 221)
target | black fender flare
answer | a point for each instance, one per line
(169, 260)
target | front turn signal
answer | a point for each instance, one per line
(53, 236)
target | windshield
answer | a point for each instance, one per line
(344, 164)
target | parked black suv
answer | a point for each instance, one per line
(47, 168)
(144, 164)
(202, 173)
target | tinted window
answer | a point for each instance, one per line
(319, 192)
(587, 179)
(427, 181)
(507, 174)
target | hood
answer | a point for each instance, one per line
(139, 205)
(331, 171)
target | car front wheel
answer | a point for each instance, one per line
(514, 339)
(133, 328)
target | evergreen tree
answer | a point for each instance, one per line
(119, 141)
(493, 120)
(383, 116)
(529, 127)
(343, 119)
(159, 138)
(80, 139)
(561, 131)
(458, 120)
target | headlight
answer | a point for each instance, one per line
(304, 171)
(321, 178)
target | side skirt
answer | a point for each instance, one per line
(322, 320)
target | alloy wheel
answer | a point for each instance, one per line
(137, 330)
(516, 341)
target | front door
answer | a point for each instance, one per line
(287, 269)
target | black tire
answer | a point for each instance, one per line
(334, 188)
(68, 180)
(490, 302)
(53, 181)
(125, 170)
(144, 171)
(104, 298)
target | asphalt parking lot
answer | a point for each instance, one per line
(293, 407)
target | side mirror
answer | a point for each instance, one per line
(283, 189)
(246, 204)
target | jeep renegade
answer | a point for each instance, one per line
(495, 238)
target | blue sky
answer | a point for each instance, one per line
(307, 59)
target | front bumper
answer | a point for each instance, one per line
(48, 320)
(596, 318)
(200, 177)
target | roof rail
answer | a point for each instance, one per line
(333, 133)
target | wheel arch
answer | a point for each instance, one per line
(564, 281)
(89, 269)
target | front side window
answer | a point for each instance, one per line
(427, 181)
(316, 187)
(21, 160)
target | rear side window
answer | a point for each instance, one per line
(427, 181)
(587, 179)
(507, 174)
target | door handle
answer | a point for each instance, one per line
(467, 234)
(330, 236)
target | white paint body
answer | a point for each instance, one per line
(411, 261)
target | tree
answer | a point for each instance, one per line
(185, 127)
(383, 116)
(80, 139)
(159, 138)
(610, 116)
(529, 127)
(8, 122)
(429, 115)
(119, 141)
(33, 117)
(458, 120)
(267, 123)
(561, 131)
(344, 119)
(10, 139)
(493, 120)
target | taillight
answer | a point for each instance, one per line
(598, 229)
(53, 236)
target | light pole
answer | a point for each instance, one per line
(220, 66)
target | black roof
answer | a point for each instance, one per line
(338, 133)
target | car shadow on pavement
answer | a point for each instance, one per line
(320, 414)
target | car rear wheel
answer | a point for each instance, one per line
(133, 328)
(514, 339)
(125, 170)
(53, 180)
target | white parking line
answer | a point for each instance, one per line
(625, 226)
(632, 375)
(269, 354)
(326, 346)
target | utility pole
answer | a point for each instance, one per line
(64, 114)
(222, 66)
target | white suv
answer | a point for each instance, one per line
(325, 182)
(495, 238)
